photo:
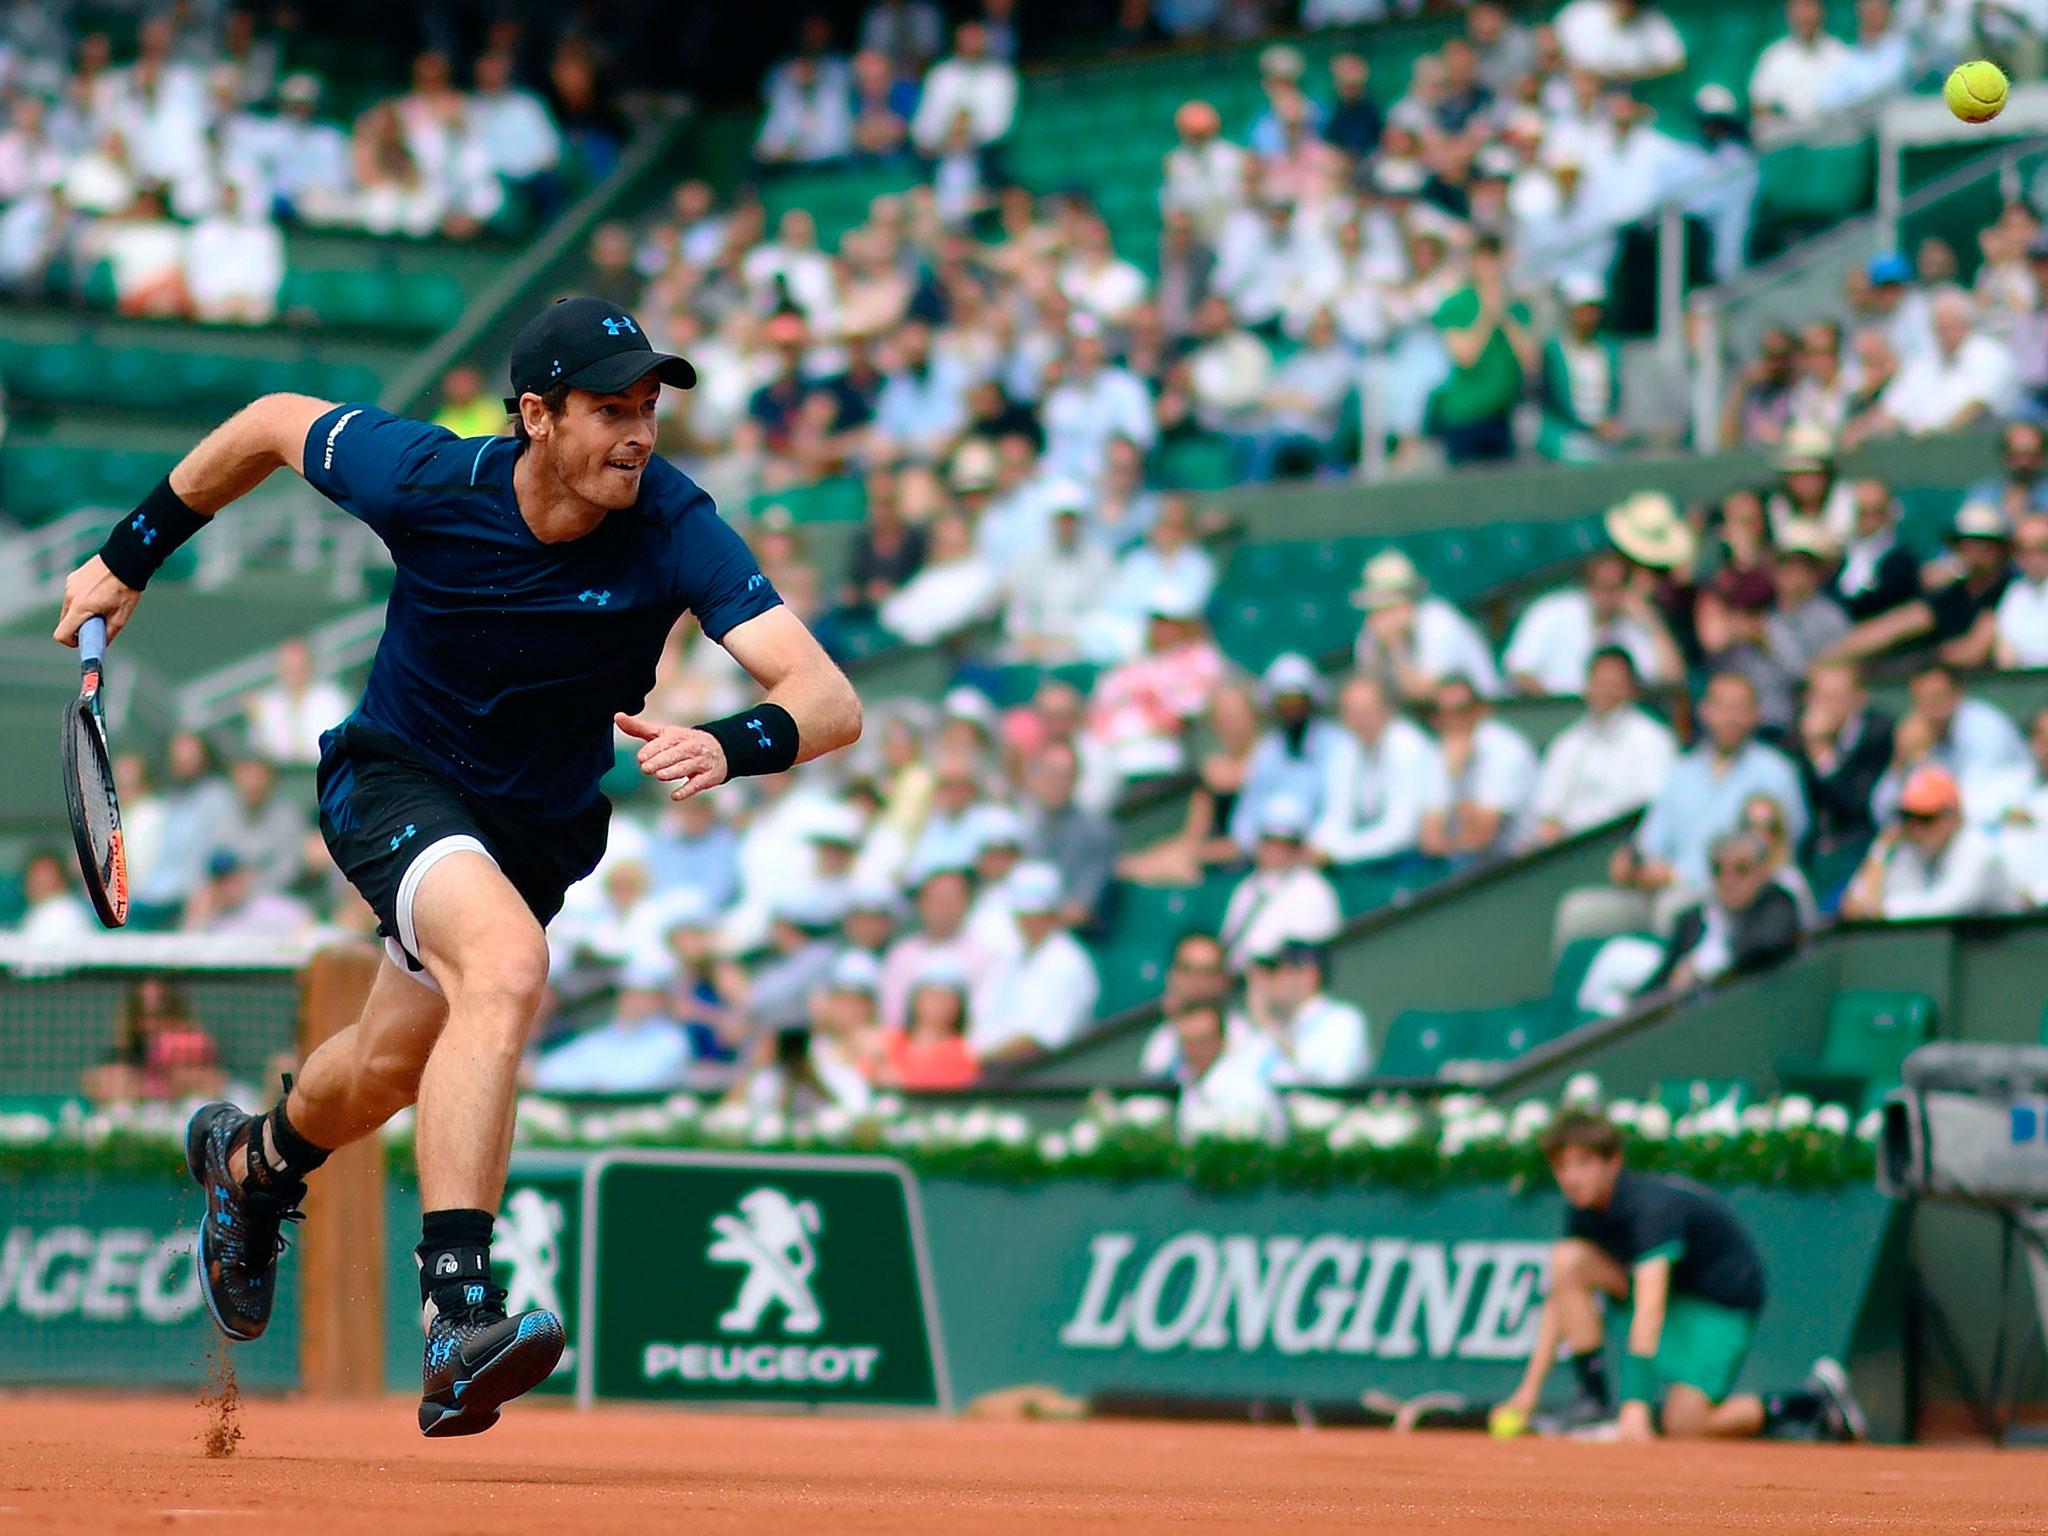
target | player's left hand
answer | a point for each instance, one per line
(681, 755)
(1634, 1424)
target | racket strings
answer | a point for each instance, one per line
(95, 787)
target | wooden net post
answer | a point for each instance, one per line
(341, 1246)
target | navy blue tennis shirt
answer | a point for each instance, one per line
(504, 658)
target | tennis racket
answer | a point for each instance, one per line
(89, 785)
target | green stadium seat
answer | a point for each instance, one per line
(1198, 464)
(1869, 1035)
(1419, 1044)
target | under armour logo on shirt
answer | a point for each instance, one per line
(599, 598)
(141, 526)
(399, 837)
(756, 581)
(760, 731)
(619, 325)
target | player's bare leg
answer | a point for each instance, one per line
(1580, 1277)
(482, 945)
(359, 1078)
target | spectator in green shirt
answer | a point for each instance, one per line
(1491, 349)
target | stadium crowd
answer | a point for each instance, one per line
(176, 171)
(1004, 384)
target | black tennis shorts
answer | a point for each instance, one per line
(389, 814)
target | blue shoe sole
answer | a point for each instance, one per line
(518, 1368)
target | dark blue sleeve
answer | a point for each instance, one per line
(358, 456)
(718, 578)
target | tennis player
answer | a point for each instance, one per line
(1668, 1263)
(537, 578)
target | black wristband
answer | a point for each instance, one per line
(756, 741)
(143, 540)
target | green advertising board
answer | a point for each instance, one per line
(712, 1279)
(98, 1287)
(1155, 1287)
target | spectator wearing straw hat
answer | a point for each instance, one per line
(1412, 641)
(1808, 488)
(1292, 758)
(1929, 862)
(1581, 378)
(1553, 642)
(1045, 997)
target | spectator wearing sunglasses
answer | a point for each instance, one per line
(1928, 863)
(1748, 920)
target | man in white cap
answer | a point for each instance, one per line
(1285, 896)
(1554, 640)
(639, 1049)
(1379, 781)
(1292, 758)
(1411, 640)
(1046, 996)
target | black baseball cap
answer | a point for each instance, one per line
(588, 343)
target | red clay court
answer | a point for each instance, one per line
(79, 1464)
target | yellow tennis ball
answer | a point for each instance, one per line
(1975, 91)
(1505, 1423)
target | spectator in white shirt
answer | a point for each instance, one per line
(1793, 75)
(1928, 863)
(2018, 801)
(519, 136)
(285, 720)
(1046, 996)
(1553, 642)
(1611, 760)
(1964, 377)
(1096, 281)
(2023, 610)
(1298, 414)
(953, 589)
(234, 263)
(1619, 39)
(1205, 172)
(1378, 779)
(1486, 779)
(810, 114)
(1226, 1078)
(300, 161)
(1168, 558)
(1322, 1042)
(1292, 759)
(983, 88)
(1053, 591)
(1284, 897)
(1411, 641)
(1091, 405)
(1227, 370)
(55, 915)
(1876, 65)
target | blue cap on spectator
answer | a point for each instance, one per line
(222, 863)
(1034, 888)
(1285, 818)
(1883, 271)
(856, 971)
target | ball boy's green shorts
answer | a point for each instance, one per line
(1704, 1343)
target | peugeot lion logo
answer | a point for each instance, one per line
(770, 1235)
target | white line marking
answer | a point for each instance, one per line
(170, 1514)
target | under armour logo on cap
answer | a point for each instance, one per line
(620, 325)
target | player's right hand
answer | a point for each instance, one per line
(93, 589)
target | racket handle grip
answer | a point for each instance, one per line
(92, 640)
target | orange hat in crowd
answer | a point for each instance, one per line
(1930, 792)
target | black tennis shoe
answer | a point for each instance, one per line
(241, 1234)
(478, 1359)
(1841, 1416)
